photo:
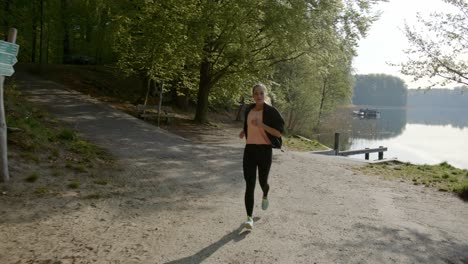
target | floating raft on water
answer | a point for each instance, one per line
(367, 113)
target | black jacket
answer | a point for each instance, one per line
(272, 118)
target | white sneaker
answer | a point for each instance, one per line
(249, 223)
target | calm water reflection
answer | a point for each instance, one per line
(417, 135)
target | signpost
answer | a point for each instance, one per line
(8, 52)
(9, 47)
(6, 70)
(9, 59)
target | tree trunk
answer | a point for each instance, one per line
(41, 35)
(89, 31)
(66, 36)
(181, 99)
(6, 9)
(290, 120)
(322, 100)
(47, 46)
(101, 31)
(201, 114)
(34, 32)
(241, 107)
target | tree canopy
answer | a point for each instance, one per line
(379, 90)
(211, 51)
(439, 47)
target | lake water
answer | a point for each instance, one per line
(416, 135)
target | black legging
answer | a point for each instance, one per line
(256, 156)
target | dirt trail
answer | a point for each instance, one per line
(179, 202)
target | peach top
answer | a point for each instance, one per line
(256, 135)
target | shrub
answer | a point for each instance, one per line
(32, 178)
(74, 185)
(67, 134)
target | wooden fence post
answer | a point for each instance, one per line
(366, 156)
(337, 143)
(380, 153)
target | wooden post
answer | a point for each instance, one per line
(337, 143)
(160, 101)
(3, 136)
(366, 156)
(12, 35)
(380, 153)
(3, 127)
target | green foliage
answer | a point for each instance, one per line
(438, 47)
(223, 48)
(379, 90)
(54, 31)
(209, 51)
(67, 134)
(462, 190)
(151, 38)
(298, 94)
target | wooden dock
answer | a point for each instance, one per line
(365, 151)
(336, 150)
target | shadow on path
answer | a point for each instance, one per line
(236, 235)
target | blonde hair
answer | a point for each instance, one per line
(261, 85)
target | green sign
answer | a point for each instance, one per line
(10, 48)
(8, 58)
(6, 70)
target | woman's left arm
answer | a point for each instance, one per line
(271, 130)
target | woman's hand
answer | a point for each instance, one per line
(270, 130)
(241, 134)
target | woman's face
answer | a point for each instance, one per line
(259, 95)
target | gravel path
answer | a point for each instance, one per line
(180, 202)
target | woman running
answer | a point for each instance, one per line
(263, 126)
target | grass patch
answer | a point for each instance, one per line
(87, 150)
(56, 173)
(42, 148)
(101, 182)
(76, 167)
(74, 185)
(41, 190)
(31, 156)
(38, 132)
(462, 190)
(299, 144)
(443, 176)
(66, 134)
(32, 178)
(93, 196)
